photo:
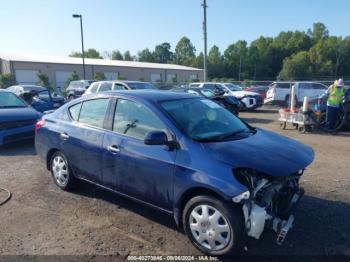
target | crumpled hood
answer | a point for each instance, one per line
(264, 151)
(241, 94)
(18, 114)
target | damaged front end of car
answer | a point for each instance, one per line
(269, 201)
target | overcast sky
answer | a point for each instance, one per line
(47, 27)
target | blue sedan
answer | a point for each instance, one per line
(220, 179)
(17, 119)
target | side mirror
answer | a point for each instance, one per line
(156, 138)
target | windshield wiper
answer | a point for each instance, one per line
(221, 137)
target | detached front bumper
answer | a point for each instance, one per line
(257, 218)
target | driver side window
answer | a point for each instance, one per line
(135, 120)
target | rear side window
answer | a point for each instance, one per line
(135, 120)
(119, 87)
(74, 111)
(94, 87)
(104, 87)
(284, 85)
(318, 86)
(93, 112)
(305, 86)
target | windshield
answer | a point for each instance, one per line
(141, 85)
(233, 87)
(204, 120)
(9, 100)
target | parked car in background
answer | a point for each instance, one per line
(261, 90)
(40, 98)
(249, 100)
(77, 88)
(279, 92)
(17, 119)
(231, 103)
(105, 86)
(219, 178)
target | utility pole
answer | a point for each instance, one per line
(82, 40)
(204, 5)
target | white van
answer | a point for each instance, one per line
(279, 92)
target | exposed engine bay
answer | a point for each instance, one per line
(269, 201)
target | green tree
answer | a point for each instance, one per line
(236, 60)
(296, 67)
(43, 80)
(99, 76)
(7, 80)
(162, 53)
(199, 61)
(90, 53)
(145, 56)
(127, 56)
(185, 52)
(117, 55)
(318, 32)
(215, 63)
(73, 77)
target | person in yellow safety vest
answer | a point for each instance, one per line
(336, 94)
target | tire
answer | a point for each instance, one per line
(228, 218)
(302, 129)
(61, 172)
(70, 98)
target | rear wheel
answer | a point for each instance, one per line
(214, 227)
(70, 98)
(61, 171)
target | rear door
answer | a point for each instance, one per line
(141, 171)
(82, 139)
(282, 90)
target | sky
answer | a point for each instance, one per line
(46, 26)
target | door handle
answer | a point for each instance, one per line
(64, 136)
(113, 149)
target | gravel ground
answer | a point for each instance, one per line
(41, 219)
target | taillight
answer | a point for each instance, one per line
(39, 125)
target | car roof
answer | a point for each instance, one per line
(149, 95)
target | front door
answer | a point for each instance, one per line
(141, 171)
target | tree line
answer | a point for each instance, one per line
(292, 55)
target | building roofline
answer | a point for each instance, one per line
(94, 62)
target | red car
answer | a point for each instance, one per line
(261, 90)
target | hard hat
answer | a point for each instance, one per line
(340, 82)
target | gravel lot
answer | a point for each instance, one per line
(41, 219)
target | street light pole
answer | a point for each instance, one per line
(82, 40)
(204, 5)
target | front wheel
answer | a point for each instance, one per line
(214, 227)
